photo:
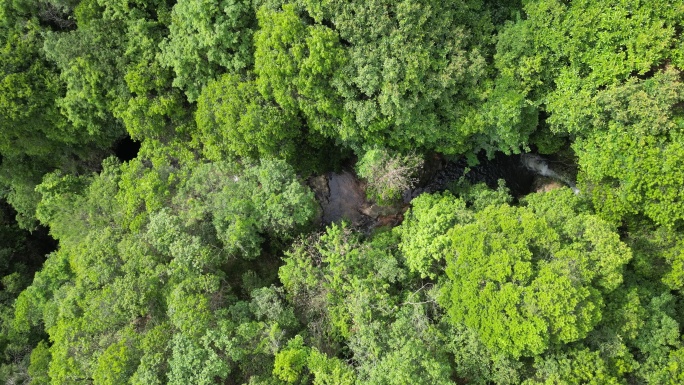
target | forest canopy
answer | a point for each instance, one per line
(514, 173)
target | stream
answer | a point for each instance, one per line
(342, 195)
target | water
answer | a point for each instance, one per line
(517, 177)
(342, 195)
(543, 167)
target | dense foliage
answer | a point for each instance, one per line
(204, 259)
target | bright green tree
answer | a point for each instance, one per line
(605, 75)
(296, 63)
(424, 233)
(527, 278)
